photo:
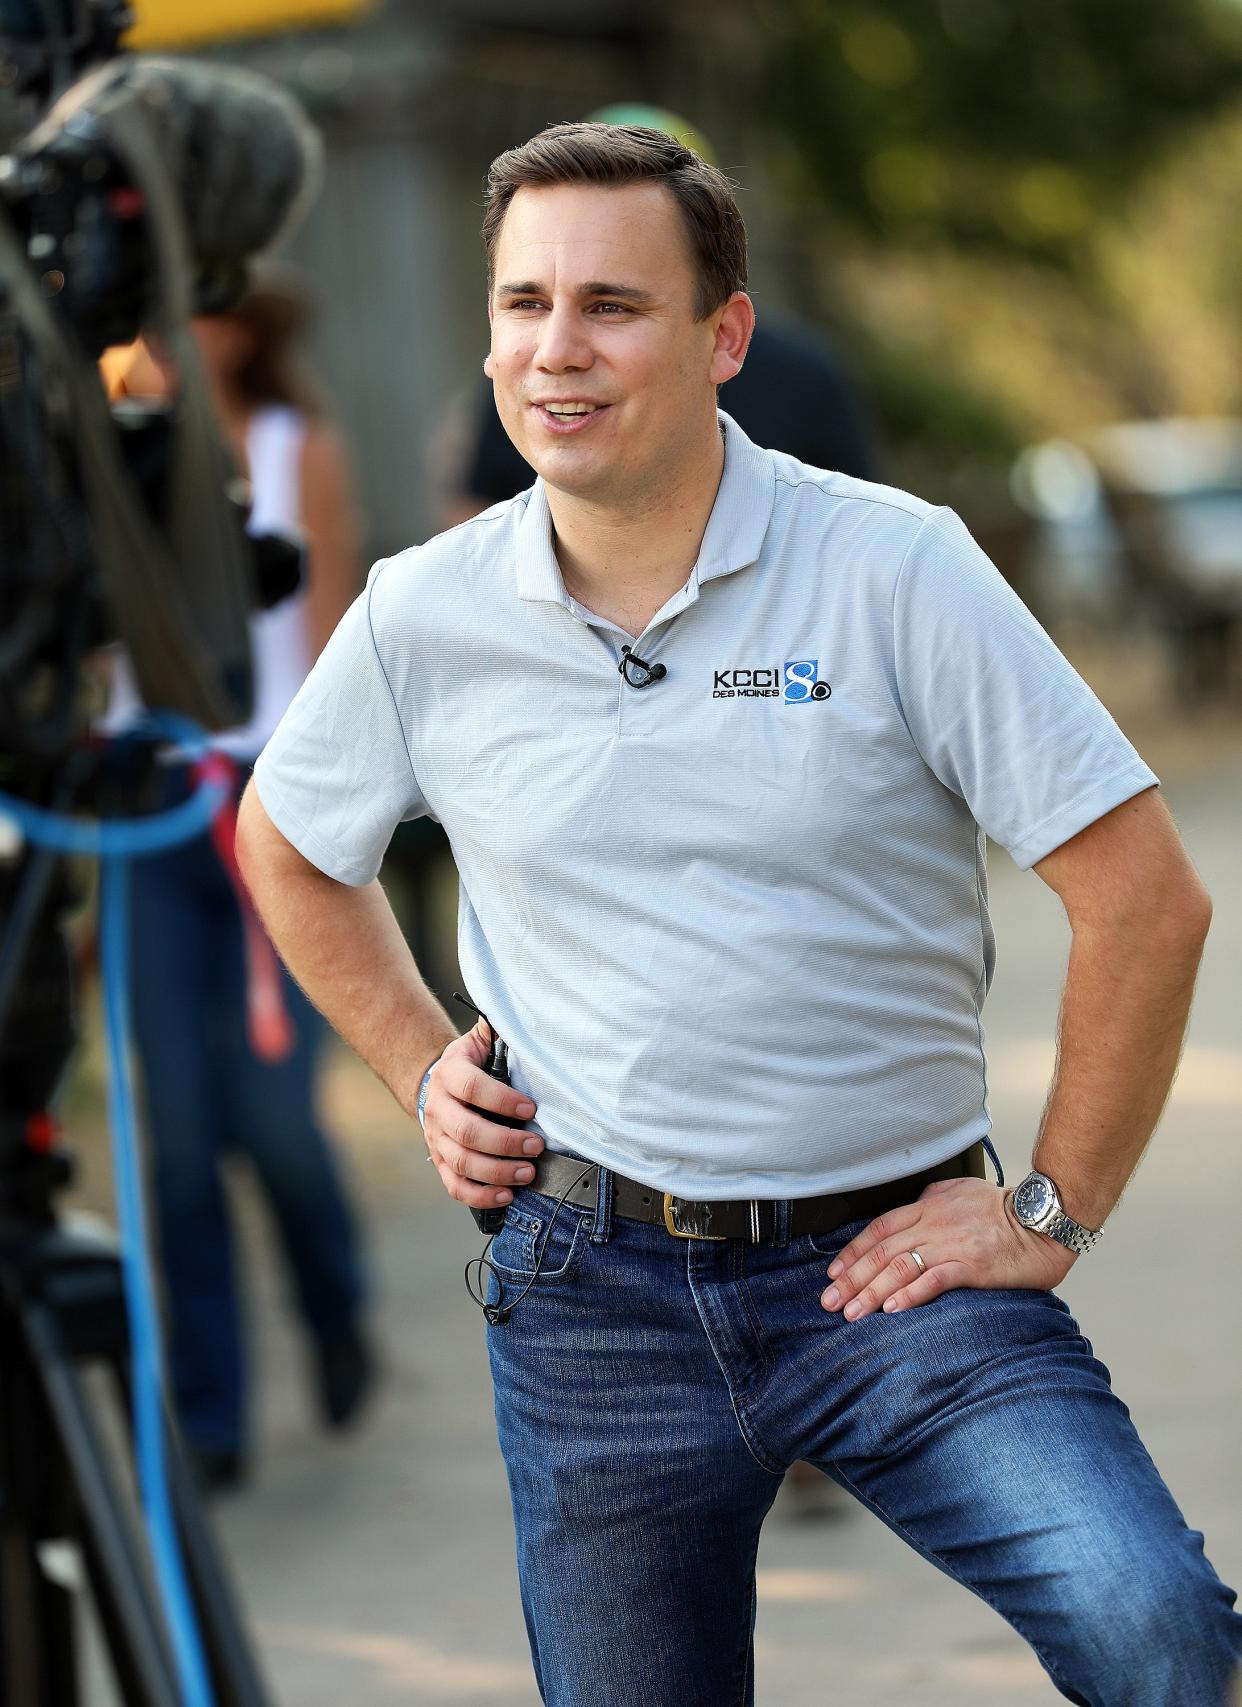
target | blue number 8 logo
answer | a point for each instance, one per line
(800, 674)
(801, 681)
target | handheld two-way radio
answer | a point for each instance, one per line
(496, 1067)
(498, 1309)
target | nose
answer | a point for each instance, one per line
(563, 344)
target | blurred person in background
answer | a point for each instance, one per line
(716, 737)
(229, 1047)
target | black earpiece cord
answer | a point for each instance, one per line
(497, 1314)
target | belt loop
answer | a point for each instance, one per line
(602, 1231)
(781, 1209)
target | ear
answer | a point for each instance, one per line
(734, 324)
(491, 316)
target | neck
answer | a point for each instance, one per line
(624, 559)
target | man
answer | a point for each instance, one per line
(715, 737)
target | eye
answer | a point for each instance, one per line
(615, 307)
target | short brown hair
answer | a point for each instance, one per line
(621, 154)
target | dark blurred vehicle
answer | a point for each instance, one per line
(1142, 521)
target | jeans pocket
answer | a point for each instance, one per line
(829, 1244)
(539, 1244)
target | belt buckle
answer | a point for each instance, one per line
(672, 1222)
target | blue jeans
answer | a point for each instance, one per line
(651, 1393)
(206, 1096)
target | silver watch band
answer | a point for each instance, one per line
(1070, 1233)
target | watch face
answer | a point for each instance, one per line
(1033, 1199)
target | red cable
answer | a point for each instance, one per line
(268, 1022)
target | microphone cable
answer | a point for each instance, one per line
(496, 1312)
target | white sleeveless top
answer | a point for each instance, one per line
(278, 637)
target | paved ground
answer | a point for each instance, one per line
(379, 1570)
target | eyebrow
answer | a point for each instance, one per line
(597, 287)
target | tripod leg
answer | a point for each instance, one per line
(37, 1635)
(235, 1676)
(233, 1671)
(132, 1624)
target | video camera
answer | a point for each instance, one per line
(134, 203)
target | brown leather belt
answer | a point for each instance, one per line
(752, 1220)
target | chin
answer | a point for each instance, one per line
(579, 476)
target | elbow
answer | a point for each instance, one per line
(1184, 916)
(1167, 917)
(1198, 912)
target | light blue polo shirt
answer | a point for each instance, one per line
(733, 925)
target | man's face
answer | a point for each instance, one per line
(604, 379)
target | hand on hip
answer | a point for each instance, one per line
(959, 1233)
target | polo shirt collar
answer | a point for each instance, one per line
(738, 524)
(735, 532)
(538, 573)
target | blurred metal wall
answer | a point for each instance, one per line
(385, 340)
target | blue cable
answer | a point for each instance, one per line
(115, 843)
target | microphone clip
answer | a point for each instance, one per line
(643, 674)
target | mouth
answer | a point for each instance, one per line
(570, 416)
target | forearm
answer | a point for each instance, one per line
(1123, 1018)
(345, 949)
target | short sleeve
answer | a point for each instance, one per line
(336, 777)
(997, 712)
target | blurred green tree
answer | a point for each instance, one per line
(988, 123)
(1020, 216)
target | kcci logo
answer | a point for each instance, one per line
(802, 683)
(796, 683)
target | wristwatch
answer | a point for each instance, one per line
(1037, 1205)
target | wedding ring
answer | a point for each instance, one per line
(919, 1260)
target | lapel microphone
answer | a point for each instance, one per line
(643, 673)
